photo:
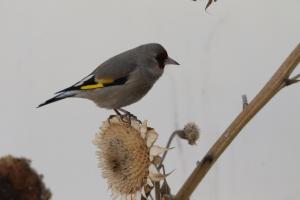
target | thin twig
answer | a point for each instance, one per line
(167, 146)
(296, 77)
(165, 188)
(157, 190)
(151, 197)
(209, 2)
(245, 101)
(293, 80)
(277, 82)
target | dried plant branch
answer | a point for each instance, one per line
(190, 133)
(245, 101)
(165, 189)
(274, 85)
(297, 77)
(167, 146)
(157, 190)
(151, 197)
(294, 79)
(209, 2)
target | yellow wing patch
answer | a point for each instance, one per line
(100, 84)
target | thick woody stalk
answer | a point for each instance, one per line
(275, 84)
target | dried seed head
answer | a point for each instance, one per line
(190, 133)
(126, 152)
(19, 181)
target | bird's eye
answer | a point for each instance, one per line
(161, 59)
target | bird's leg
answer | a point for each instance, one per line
(118, 113)
(127, 113)
(112, 116)
(122, 116)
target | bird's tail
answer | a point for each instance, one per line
(58, 97)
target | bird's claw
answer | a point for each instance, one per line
(131, 116)
(127, 116)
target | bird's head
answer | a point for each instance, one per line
(158, 54)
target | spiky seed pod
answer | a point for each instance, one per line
(125, 153)
(190, 132)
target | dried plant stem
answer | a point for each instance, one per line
(279, 80)
(245, 101)
(157, 190)
(167, 146)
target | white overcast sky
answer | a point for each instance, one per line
(230, 50)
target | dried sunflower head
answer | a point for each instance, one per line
(125, 151)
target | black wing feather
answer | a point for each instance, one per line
(91, 81)
(76, 86)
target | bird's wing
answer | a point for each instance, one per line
(117, 67)
(114, 71)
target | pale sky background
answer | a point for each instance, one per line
(230, 50)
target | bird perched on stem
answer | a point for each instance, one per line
(121, 80)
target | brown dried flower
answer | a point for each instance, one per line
(126, 153)
(190, 133)
(19, 181)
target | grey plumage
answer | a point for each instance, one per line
(121, 80)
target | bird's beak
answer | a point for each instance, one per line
(170, 61)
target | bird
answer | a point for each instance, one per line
(121, 80)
